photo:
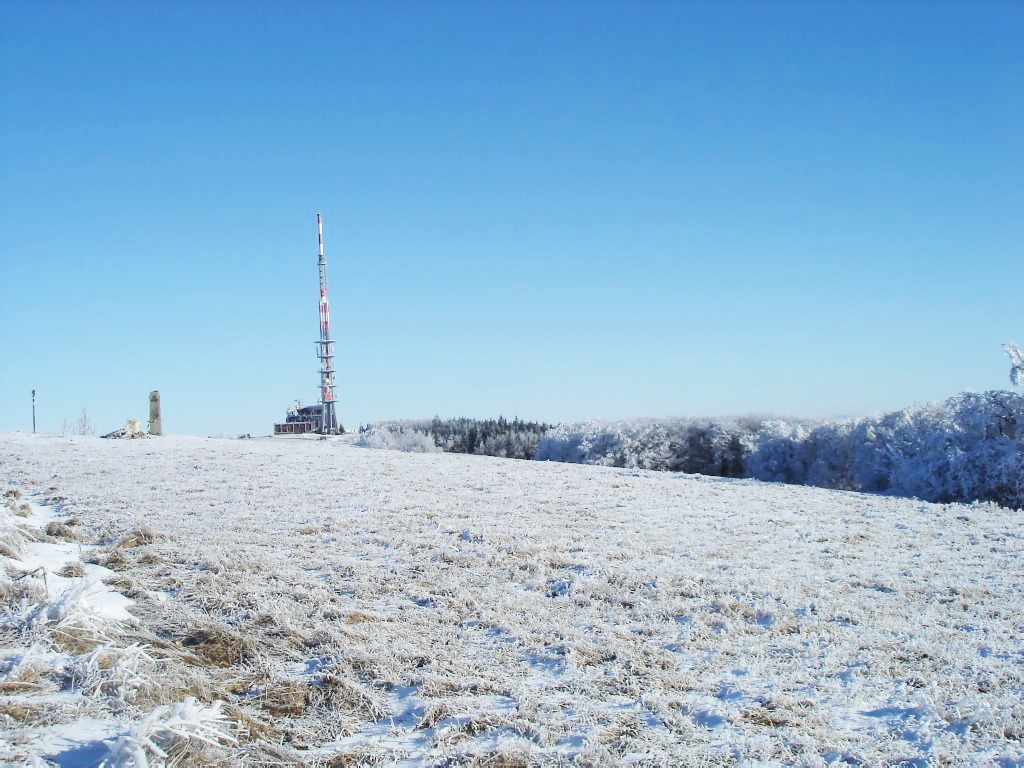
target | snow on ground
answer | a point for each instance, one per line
(354, 606)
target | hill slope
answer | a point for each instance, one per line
(359, 606)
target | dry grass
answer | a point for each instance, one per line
(192, 753)
(13, 592)
(117, 560)
(334, 691)
(436, 687)
(505, 758)
(218, 645)
(362, 755)
(61, 530)
(28, 677)
(126, 585)
(290, 637)
(139, 536)
(23, 711)
(359, 617)
(76, 639)
(284, 698)
(435, 712)
(14, 535)
(176, 682)
(344, 760)
(766, 717)
(23, 510)
(9, 687)
(270, 753)
(72, 570)
(252, 726)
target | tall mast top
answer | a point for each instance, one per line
(320, 234)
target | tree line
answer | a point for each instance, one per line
(968, 448)
(516, 439)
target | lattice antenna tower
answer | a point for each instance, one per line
(325, 346)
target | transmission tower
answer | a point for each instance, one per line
(325, 347)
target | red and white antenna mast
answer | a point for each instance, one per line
(325, 346)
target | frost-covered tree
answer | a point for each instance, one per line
(410, 441)
(676, 445)
(966, 448)
(1016, 364)
(85, 425)
(512, 440)
(969, 447)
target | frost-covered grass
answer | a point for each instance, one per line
(357, 606)
(76, 668)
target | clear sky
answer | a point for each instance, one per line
(556, 210)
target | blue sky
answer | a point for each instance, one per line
(553, 210)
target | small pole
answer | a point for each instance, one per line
(33, 411)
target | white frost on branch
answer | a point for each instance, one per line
(148, 737)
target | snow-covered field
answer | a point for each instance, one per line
(352, 606)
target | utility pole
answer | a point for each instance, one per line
(33, 411)
(325, 346)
